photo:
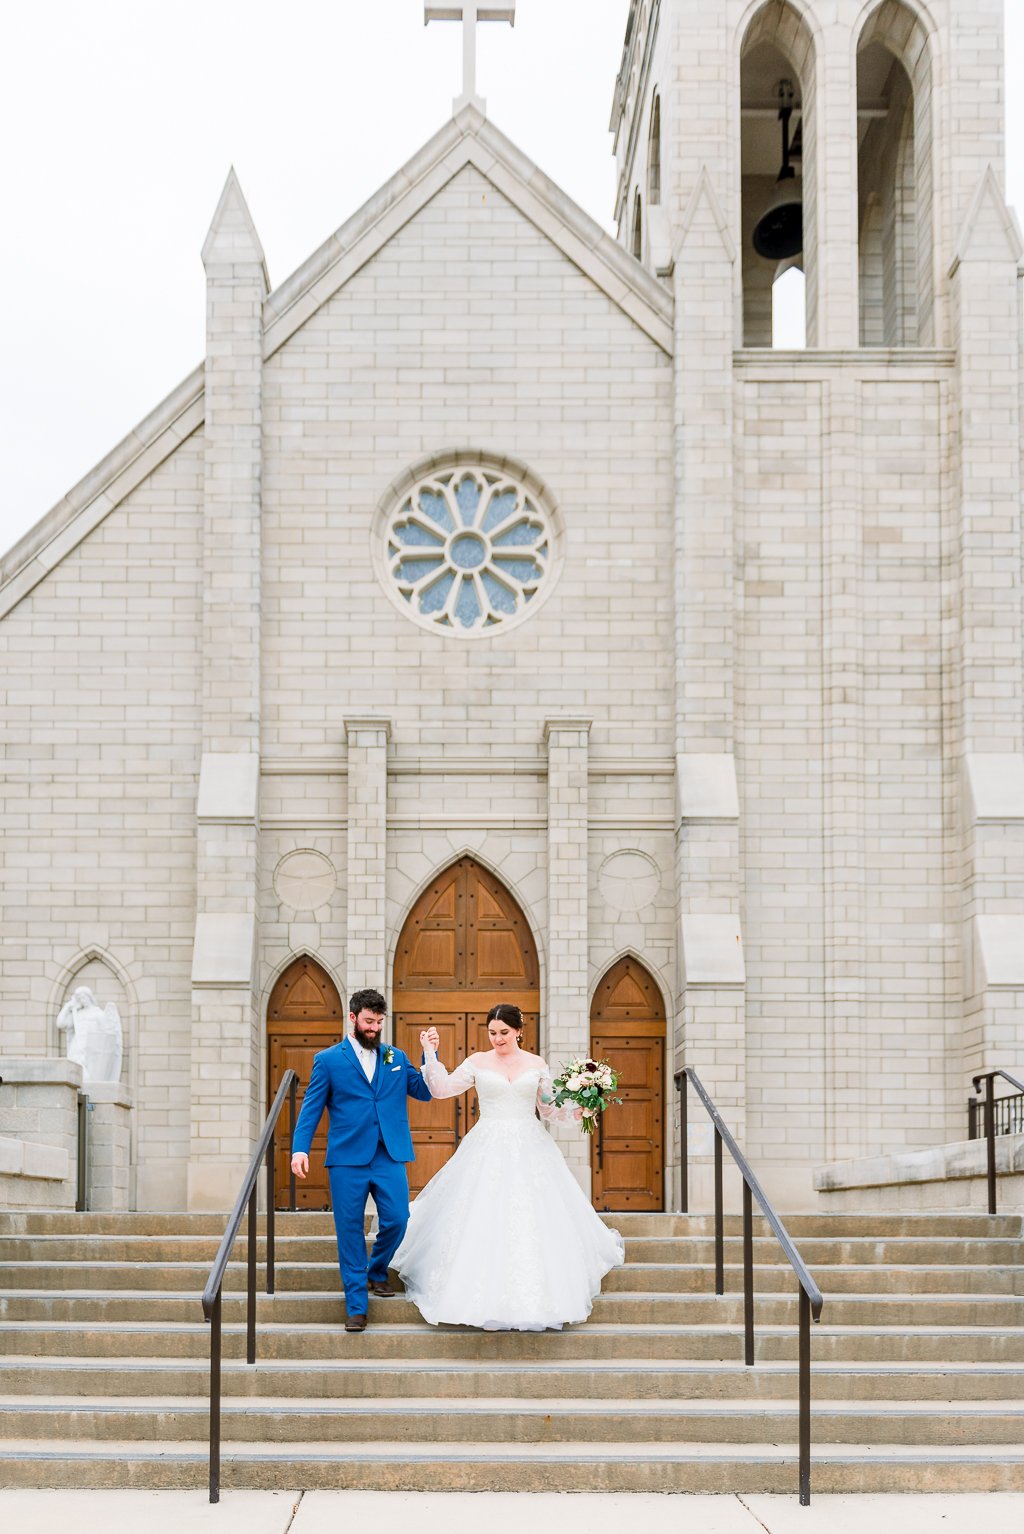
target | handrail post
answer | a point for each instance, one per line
(291, 1142)
(990, 1136)
(215, 1400)
(748, 1274)
(213, 1294)
(684, 1148)
(271, 1148)
(719, 1218)
(250, 1308)
(805, 1397)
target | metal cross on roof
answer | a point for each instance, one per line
(469, 14)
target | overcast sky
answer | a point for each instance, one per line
(119, 119)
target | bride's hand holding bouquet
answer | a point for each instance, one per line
(589, 1084)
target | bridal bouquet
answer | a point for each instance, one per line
(589, 1084)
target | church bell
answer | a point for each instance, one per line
(779, 232)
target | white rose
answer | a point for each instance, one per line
(574, 1083)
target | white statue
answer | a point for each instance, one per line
(94, 1035)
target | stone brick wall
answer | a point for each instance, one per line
(101, 728)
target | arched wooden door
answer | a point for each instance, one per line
(465, 945)
(305, 1015)
(627, 1027)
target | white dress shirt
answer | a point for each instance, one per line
(367, 1057)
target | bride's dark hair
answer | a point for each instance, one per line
(505, 1012)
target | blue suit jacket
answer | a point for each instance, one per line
(360, 1113)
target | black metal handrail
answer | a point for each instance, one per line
(811, 1299)
(988, 1105)
(264, 1152)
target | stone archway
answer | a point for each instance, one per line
(465, 945)
(627, 1027)
(304, 1015)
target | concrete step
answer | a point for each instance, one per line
(682, 1278)
(834, 1280)
(825, 1226)
(310, 1291)
(28, 1378)
(382, 1340)
(859, 1251)
(693, 1281)
(483, 1466)
(505, 1420)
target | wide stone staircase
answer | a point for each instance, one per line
(918, 1365)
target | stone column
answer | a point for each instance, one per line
(851, 1103)
(833, 307)
(226, 1030)
(568, 1010)
(710, 1018)
(987, 320)
(366, 936)
(109, 1145)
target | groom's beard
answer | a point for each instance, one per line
(367, 1040)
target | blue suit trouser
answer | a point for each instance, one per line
(387, 1181)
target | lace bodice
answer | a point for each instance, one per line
(499, 1097)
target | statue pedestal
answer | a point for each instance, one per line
(39, 1133)
(109, 1145)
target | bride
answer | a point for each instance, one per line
(503, 1237)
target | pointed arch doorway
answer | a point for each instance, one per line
(627, 1027)
(304, 1015)
(465, 945)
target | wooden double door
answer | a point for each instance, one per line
(627, 1027)
(305, 1014)
(465, 945)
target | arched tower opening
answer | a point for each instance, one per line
(777, 165)
(654, 156)
(637, 245)
(895, 183)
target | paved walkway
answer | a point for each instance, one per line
(356, 1512)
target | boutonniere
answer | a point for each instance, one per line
(389, 1053)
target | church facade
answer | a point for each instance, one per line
(496, 614)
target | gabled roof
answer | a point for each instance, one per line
(470, 139)
(467, 139)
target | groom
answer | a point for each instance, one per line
(364, 1089)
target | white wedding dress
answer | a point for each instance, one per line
(503, 1237)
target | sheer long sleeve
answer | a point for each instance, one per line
(546, 1105)
(443, 1084)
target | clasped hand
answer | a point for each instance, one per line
(430, 1038)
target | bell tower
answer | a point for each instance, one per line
(849, 621)
(844, 140)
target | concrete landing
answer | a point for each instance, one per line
(327, 1512)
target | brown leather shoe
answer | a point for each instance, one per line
(382, 1290)
(355, 1323)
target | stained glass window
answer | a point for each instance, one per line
(467, 550)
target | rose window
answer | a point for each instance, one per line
(467, 550)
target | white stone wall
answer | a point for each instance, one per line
(101, 718)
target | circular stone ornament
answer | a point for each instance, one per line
(467, 549)
(629, 880)
(305, 880)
